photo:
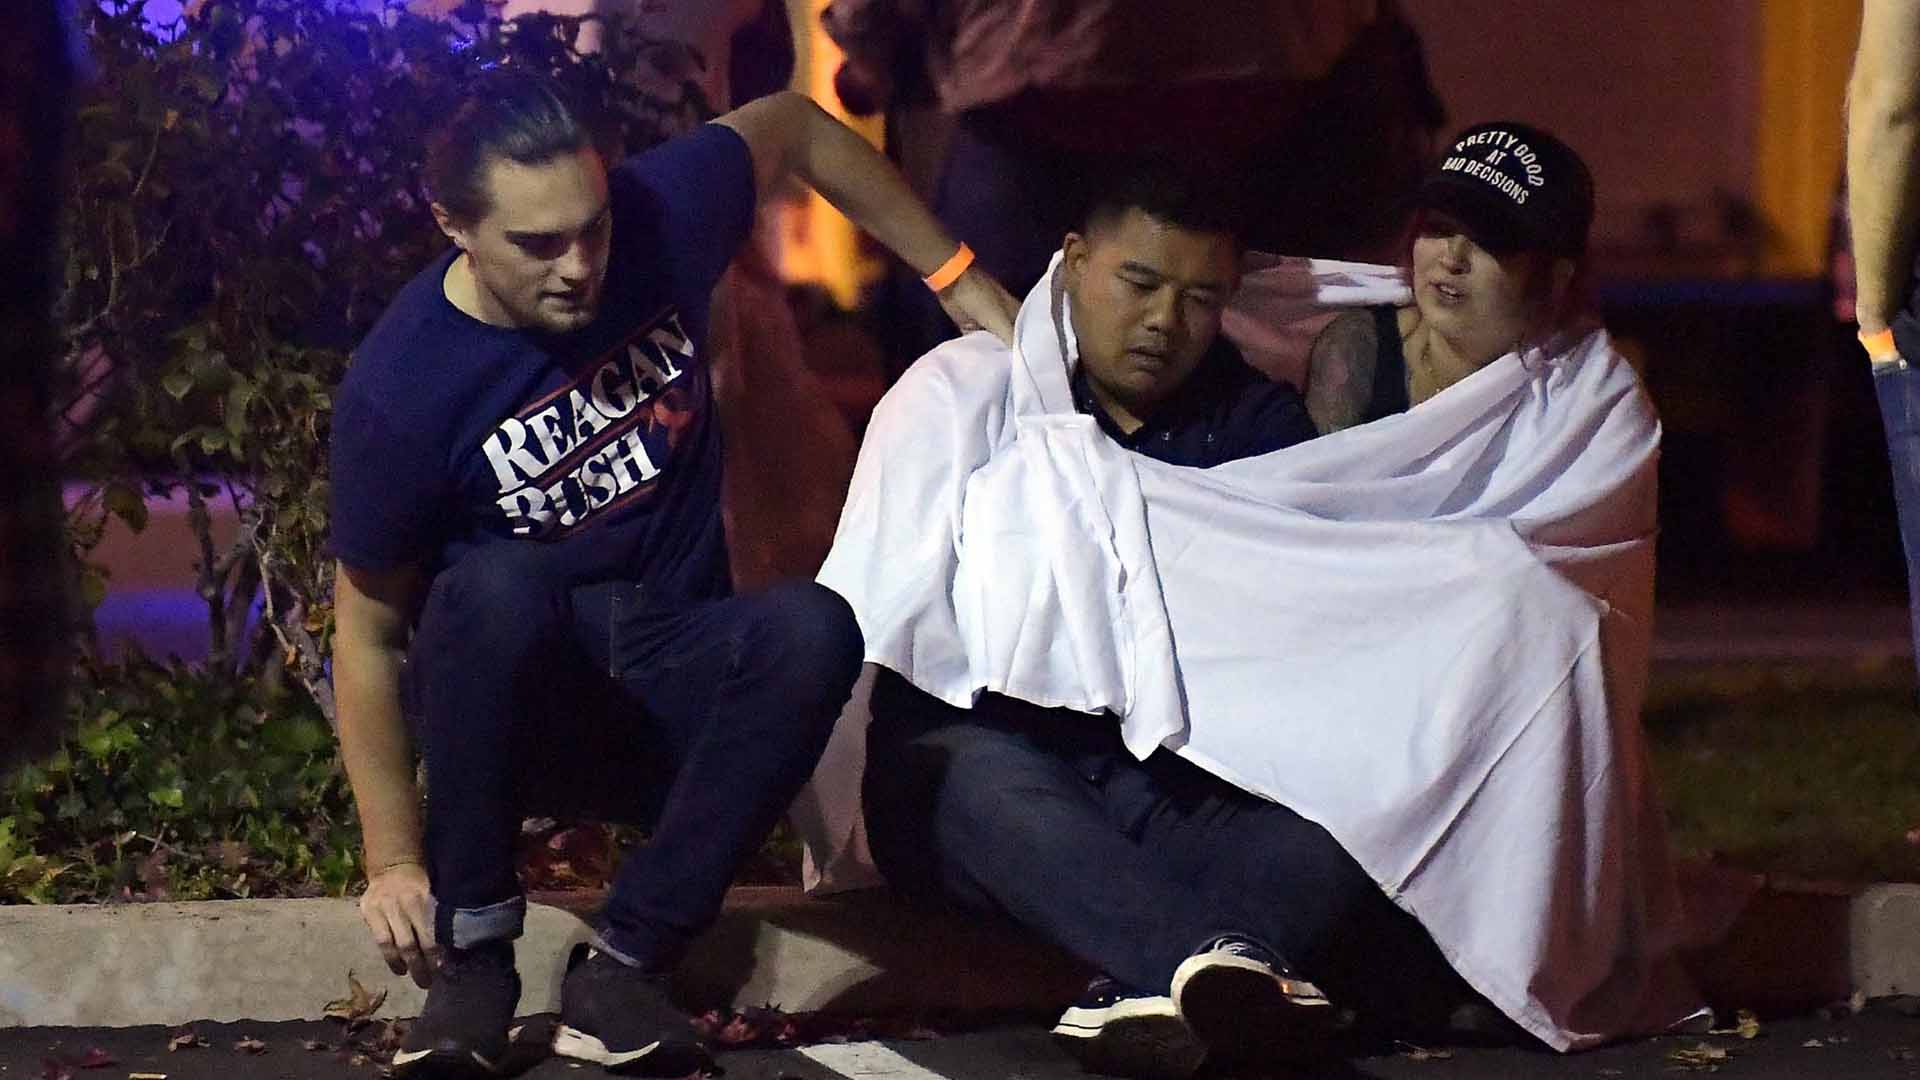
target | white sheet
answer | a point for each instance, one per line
(1428, 634)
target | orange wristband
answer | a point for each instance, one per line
(950, 270)
(1879, 346)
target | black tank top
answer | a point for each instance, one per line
(1389, 367)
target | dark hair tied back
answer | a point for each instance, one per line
(521, 116)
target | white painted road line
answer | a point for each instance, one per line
(867, 1059)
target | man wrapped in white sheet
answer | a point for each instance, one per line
(1403, 661)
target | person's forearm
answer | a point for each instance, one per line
(377, 753)
(1883, 159)
(788, 135)
(1883, 163)
(862, 184)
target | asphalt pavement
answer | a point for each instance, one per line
(1880, 1043)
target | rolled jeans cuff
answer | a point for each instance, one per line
(599, 940)
(465, 928)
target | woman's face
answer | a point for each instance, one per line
(1482, 303)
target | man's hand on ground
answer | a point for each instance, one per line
(977, 302)
(398, 908)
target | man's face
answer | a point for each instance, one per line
(539, 254)
(1147, 298)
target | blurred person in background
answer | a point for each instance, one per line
(1883, 205)
(1043, 95)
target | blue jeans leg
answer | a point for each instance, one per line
(1898, 388)
(1041, 815)
(739, 697)
(1004, 809)
(698, 721)
(490, 667)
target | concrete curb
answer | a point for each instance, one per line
(1885, 945)
(124, 965)
(1775, 947)
(1784, 946)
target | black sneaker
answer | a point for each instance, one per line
(1246, 1007)
(619, 1018)
(463, 1030)
(1115, 1029)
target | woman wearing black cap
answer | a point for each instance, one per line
(1495, 256)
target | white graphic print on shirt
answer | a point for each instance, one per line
(600, 442)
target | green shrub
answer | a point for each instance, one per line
(178, 784)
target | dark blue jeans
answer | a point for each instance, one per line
(699, 721)
(1042, 816)
(1898, 388)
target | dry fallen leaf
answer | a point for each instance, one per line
(250, 1045)
(1421, 1053)
(388, 1038)
(233, 854)
(313, 1044)
(1700, 1058)
(1813, 1044)
(357, 1006)
(1746, 1026)
(185, 1040)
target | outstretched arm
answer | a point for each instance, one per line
(788, 135)
(371, 613)
(1883, 156)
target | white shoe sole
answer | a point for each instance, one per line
(1078, 1022)
(653, 1059)
(1242, 1011)
(1139, 1037)
(580, 1046)
(437, 1063)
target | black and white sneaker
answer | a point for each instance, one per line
(1245, 1006)
(462, 1032)
(619, 1018)
(1120, 1031)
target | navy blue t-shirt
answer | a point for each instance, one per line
(449, 433)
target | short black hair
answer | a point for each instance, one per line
(522, 116)
(1193, 197)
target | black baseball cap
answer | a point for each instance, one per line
(1515, 188)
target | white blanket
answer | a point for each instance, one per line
(1428, 634)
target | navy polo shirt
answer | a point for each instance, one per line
(1226, 410)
